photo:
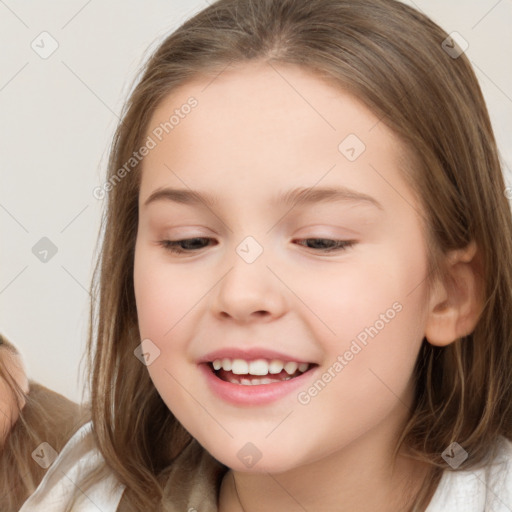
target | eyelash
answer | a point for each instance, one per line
(173, 245)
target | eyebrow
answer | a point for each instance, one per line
(297, 197)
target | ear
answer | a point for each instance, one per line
(455, 306)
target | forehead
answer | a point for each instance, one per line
(273, 93)
(264, 124)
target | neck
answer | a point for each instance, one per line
(361, 476)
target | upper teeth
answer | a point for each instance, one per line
(258, 366)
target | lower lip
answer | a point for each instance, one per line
(259, 394)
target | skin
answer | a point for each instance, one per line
(252, 134)
(9, 409)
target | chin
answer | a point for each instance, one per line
(248, 458)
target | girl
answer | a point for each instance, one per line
(305, 290)
(35, 423)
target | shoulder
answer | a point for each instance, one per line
(77, 458)
(487, 488)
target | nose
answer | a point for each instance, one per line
(249, 292)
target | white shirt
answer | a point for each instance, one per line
(488, 489)
(58, 484)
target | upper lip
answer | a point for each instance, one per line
(249, 354)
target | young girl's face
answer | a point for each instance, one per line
(257, 281)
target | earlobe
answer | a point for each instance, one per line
(455, 306)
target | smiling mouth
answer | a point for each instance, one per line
(257, 372)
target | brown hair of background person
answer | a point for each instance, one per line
(40, 415)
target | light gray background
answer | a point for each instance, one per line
(57, 118)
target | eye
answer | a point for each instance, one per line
(189, 245)
(176, 245)
(331, 245)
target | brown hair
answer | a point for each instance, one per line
(46, 417)
(390, 57)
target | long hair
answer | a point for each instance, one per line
(390, 57)
(44, 417)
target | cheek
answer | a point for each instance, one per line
(368, 369)
(9, 406)
(374, 318)
(381, 291)
(163, 294)
(167, 302)
(378, 314)
(9, 411)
